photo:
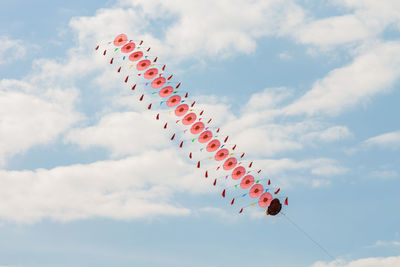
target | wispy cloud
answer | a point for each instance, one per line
(366, 262)
(389, 140)
(11, 49)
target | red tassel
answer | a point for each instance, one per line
(141, 98)
(223, 193)
(105, 52)
(215, 182)
(141, 42)
(190, 155)
(201, 112)
(169, 78)
(119, 69)
(194, 102)
(217, 130)
(241, 210)
(251, 164)
(158, 116)
(165, 126)
(233, 200)
(242, 155)
(233, 148)
(186, 95)
(258, 171)
(286, 201)
(181, 144)
(198, 164)
(97, 47)
(134, 86)
(148, 49)
(149, 107)
(209, 121)
(155, 60)
(173, 136)
(163, 68)
(226, 139)
(218, 167)
(206, 174)
(269, 181)
(277, 191)
(179, 84)
(126, 79)
(111, 61)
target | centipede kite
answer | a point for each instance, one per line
(243, 185)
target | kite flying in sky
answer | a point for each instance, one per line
(207, 146)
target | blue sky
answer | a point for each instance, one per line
(309, 91)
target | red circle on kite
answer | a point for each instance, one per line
(221, 154)
(264, 200)
(189, 119)
(136, 56)
(213, 145)
(143, 64)
(173, 100)
(121, 39)
(150, 73)
(197, 127)
(238, 172)
(129, 47)
(158, 82)
(230, 163)
(205, 136)
(247, 181)
(166, 91)
(256, 190)
(181, 110)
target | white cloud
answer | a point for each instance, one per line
(11, 50)
(28, 118)
(134, 187)
(384, 174)
(329, 31)
(381, 243)
(287, 172)
(123, 133)
(366, 262)
(380, 14)
(285, 56)
(372, 72)
(365, 21)
(330, 134)
(386, 140)
(195, 28)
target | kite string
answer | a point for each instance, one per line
(309, 237)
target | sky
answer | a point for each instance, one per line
(308, 89)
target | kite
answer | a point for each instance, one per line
(244, 184)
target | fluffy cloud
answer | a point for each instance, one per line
(28, 118)
(386, 140)
(124, 133)
(11, 50)
(329, 31)
(372, 72)
(133, 187)
(367, 262)
(380, 14)
(309, 171)
(229, 27)
(330, 134)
